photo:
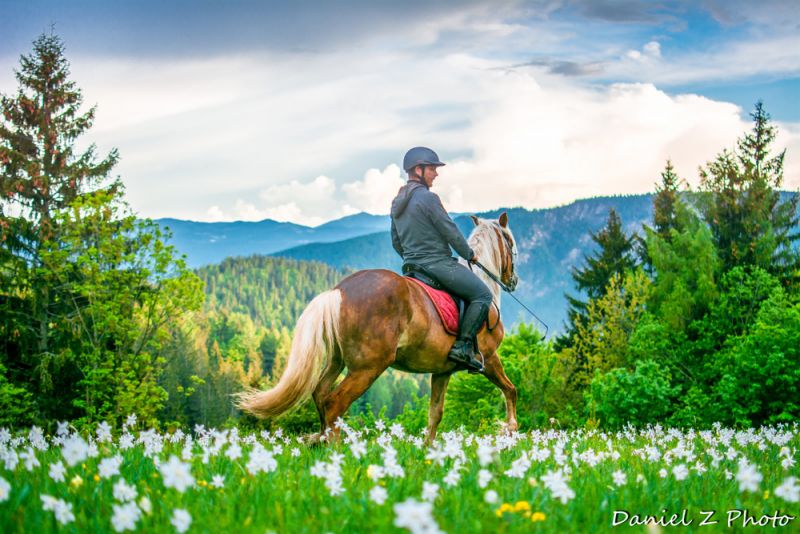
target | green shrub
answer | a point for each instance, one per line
(642, 396)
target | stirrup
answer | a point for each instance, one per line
(472, 365)
(474, 371)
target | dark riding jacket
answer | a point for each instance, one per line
(422, 231)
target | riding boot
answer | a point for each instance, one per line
(464, 348)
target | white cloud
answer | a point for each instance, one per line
(375, 192)
(652, 49)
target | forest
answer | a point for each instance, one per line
(695, 321)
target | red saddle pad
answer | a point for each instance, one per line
(445, 307)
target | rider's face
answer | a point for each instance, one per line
(430, 175)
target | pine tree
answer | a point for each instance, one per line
(742, 205)
(40, 175)
(665, 219)
(665, 216)
(87, 290)
(614, 257)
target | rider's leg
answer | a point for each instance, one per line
(464, 283)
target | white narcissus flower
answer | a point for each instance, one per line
(218, 481)
(176, 474)
(490, 497)
(125, 516)
(789, 491)
(415, 516)
(109, 467)
(680, 471)
(57, 471)
(146, 505)
(484, 477)
(61, 509)
(103, 432)
(620, 478)
(181, 520)
(75, 450)
(429, 491)
(378, 494)
(5, 489)
(748, 477)
(123, 492)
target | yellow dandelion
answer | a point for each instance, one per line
(522, 506)
(243, 480)
(428, 462)
(96, 478)
(538, 516)
(505, 507)
(766, 495)
(76, 482)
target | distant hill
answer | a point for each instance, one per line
(209, 243)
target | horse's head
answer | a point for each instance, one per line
(494, 244)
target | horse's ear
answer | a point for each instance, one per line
(503, 219)
(475, 220)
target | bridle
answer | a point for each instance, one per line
(504, 287)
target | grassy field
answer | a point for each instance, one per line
(383, 480)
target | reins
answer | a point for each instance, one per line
(508, 290)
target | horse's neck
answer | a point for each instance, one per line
(486, 259)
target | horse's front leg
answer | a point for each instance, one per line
(438, 387)
(493, 370)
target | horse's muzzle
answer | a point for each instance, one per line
(512, 285)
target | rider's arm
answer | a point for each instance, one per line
(396, 240)
(446, 227)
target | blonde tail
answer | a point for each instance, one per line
(315, 336)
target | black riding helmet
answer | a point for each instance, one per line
(420, 155)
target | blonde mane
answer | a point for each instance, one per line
(485, 243)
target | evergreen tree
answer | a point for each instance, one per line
(665, 218)
(742, 205)
(40, 175)
(87, 290)
(613, 257)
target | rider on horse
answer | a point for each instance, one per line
(423, 232)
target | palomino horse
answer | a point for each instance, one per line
(375, 319)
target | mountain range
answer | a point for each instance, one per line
(551, 243)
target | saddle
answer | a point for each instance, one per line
(450, 307)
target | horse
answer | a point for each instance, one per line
(375, 319)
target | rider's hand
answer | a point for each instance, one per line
(473, 259)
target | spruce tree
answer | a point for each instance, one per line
(750, 223)
(613, 257)
(40, 175)
(87, 290)
(665, 216)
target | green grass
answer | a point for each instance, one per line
(291, 499)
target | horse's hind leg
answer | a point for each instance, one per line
(438, 387)
(323, 389)
(352, 387)
(493, 370)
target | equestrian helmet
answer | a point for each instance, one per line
(420, 155)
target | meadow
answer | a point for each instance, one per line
(383, 479)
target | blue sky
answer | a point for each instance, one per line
(302, 110)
